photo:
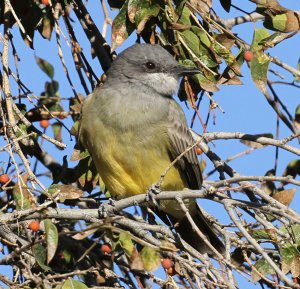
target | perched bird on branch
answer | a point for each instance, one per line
(134, 129)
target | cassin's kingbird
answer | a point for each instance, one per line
(134, 129)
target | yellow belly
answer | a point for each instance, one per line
(134, 173)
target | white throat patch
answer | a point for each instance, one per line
(161, 82)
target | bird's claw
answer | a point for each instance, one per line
(106, 209)
(153, 191)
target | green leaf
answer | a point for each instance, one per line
(206, 57)
(232, 71)
(202, 35)
(188, 63)
(263, 267)
(185, 16)
(143, 15)
(259, 67)
(52, 190)
(75, 105)
(75, 128)
(259, 35)
(45, 66)
(293, 231)
(73, 284)
(224, 53)
(205, 83)
(126, 242)
(264, 234)
(57, 128)
(52, 239)
(46, 27)
(39, 252)
(279, 22)
(79, 154)
(192, 41)
(22, 196)
(87, 174)
(288, 252)
(51, 89)
(121, 27)
(151, 258)
(290, 259)
(56, 108)
(132, 7)
(22, 130)
(197, 82)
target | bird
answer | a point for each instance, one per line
(134, 129)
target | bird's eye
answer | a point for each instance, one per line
(150, 65)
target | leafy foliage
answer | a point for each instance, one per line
(262, 234)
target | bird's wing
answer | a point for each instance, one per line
(180, 140)
(83, 122)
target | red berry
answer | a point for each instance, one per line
(198, 151)
(171, 271)
(106, 249)
(44, 123)
(45, 2)
(167, 263)
(4, 179)
(34, 226)
(248, 55)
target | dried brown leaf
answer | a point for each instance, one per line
(23, 198)
(202, 6)
(65, 192)
(226, 40)
(179, 26)
(285, 267)
(295, 267)
(285, 197)
(136, 262)
(166, 245)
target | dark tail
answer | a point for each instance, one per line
(188, 234)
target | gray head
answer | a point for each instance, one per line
(151, 65)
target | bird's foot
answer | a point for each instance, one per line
(107, 209)
(153, 191)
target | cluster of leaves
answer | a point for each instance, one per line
(32, 15)
(288, 252)
(277, 17)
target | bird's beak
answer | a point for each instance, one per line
(183, 70)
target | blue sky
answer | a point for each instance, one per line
(246, 109)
